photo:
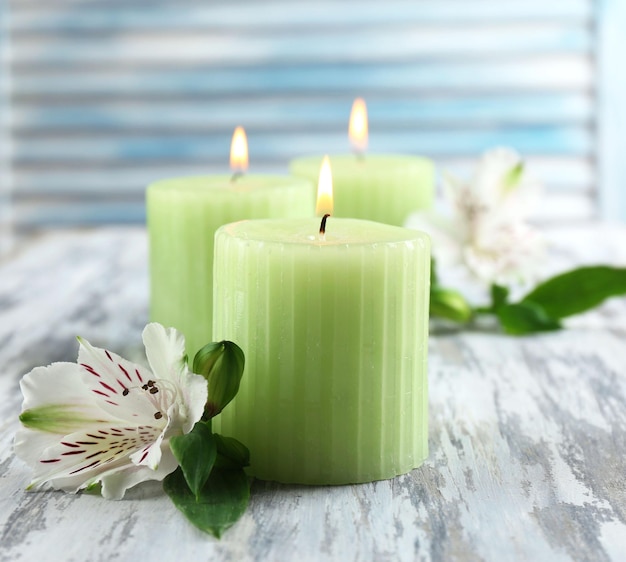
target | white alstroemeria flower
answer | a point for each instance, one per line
(105, 419)
(484, 230)
(500, 186)
(505, 253)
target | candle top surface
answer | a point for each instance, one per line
(354, 162)
(195, 185)
(339, 232)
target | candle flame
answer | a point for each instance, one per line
(325, 189)
(239, 151)
(357, 129)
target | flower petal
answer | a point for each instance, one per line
(150, 455)
(55, 399)
(118, 386)
(491, 185)
(56, 403)
(492, 170)
(446, 236)
(28, 444)
(195, 393)
(82, 456)
(165, 350)
(505, 253)
(115, 483)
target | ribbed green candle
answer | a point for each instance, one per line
(335, 333)
(383, 188)
(183, 215)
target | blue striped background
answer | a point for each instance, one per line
(108, 96)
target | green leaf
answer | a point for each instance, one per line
(578, 290)
(221, 502)
(450, 304)
(221, 364)
(525, 318)
(195, 452)
(231, 454)
(499, 296)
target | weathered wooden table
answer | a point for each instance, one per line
(527, 436)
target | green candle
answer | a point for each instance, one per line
(334, 328)
(383, 188)
(183, 215)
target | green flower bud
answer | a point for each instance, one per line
(450, 304)
(221, 364)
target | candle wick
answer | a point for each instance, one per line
(238, 174)
(323, 225)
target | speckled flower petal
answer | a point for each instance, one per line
(89, 453)
(54, 399)
(165, 348)
(107, 419)
(116, 482)
(116, 385)
(55, 404)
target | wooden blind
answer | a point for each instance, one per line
(110, 95)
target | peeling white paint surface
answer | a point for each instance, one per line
(527, 435)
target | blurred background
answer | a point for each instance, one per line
(100, 97)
